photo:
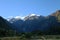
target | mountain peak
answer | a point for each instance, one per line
(17, 17)
(58, 10)
(33, 15)
(0, 17)
(56, 13)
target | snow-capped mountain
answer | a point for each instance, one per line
(34, 22)
(27, 22)
(17, 22)
(31, 23)
(31, 17)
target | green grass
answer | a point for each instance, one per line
(45, 37)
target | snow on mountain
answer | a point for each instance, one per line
(33, 15)
(16, 17)
(49, 24)
(28, 22)
(19, 17)
(17, 22)
(22, 18)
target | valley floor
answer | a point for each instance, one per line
(45, 37)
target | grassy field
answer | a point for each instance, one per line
(45, 37)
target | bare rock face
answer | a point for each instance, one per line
(56, 13)
(58, 16)
(48, 25)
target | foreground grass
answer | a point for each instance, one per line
(45, 37)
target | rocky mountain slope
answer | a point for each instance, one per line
(49, 25)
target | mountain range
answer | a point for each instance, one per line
(46, 24)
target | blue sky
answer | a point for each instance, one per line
(25, 7)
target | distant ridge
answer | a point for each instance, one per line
(56, 13)
(46, 24)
